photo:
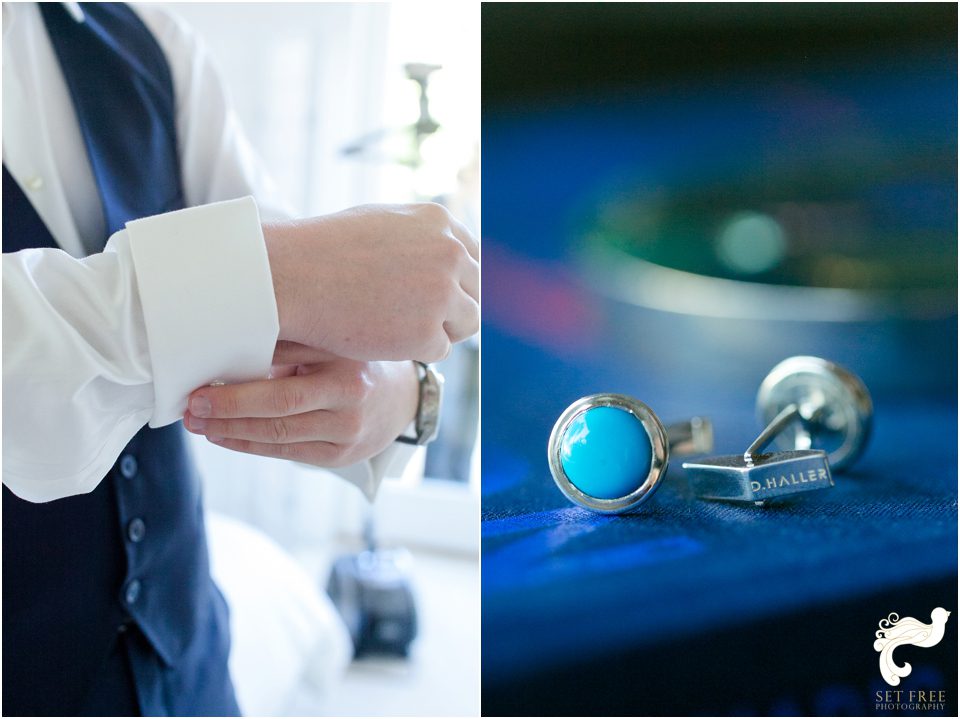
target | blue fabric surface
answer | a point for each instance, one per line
(562, 585)
(679, 564)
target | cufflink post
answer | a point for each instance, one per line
(692, 436)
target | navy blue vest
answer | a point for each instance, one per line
(122, 571)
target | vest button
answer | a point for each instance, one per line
(136, 530)
(132, 592)
(128, 466)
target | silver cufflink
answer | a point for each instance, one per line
(816, 413)
(609, 452)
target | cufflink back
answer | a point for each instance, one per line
(812, 403)
(819, 415)
(609, 452)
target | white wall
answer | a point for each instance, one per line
(305, 79)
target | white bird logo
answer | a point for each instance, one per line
(895, 632)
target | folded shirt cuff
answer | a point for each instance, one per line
(208, 303)
(368, 475)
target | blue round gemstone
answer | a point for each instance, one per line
(606, 452)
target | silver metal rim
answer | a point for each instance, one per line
(621, 276)
(659, 455)
(854, 392)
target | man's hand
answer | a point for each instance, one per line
(318, 409)
(376, 282)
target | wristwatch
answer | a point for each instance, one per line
(427, 422)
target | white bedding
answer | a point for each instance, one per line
(286, 633)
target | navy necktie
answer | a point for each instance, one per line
(118, 110)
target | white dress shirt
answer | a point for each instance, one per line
(95, 347)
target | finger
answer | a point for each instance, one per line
(303, 369)
(464, 319)
(321, 425)
(439, 348)
(294, 353)
(466, 238)
(470, 279)
(268, 398)
(321, 454)
(278, 371)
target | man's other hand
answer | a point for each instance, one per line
(376, 282)
(318, 408)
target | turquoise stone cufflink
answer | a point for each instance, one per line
(609, 452)
(819, 415)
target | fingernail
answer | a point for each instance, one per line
(200, 407)
(213, 438)
(197, 424)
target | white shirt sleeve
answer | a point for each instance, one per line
(96, 347)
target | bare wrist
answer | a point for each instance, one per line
(278, 253)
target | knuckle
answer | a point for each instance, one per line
(364, 388)
(453, 250)
(449, 254)
(354, 385)
(279, 431)
(433, 211)
(348, 387)
(288, 398)
(351, 427)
